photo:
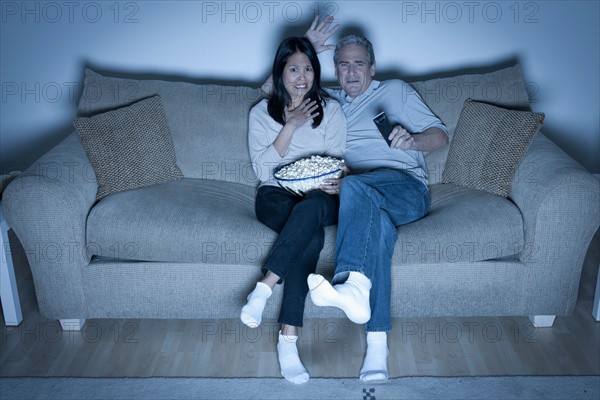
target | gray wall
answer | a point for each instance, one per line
(46, 44)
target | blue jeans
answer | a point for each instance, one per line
(300, 222)
(372, 206)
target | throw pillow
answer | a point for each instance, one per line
(488, 144)
(129, 147)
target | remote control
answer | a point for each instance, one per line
(384, 126)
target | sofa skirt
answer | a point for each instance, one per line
(117, 289)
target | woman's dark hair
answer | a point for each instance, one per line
(279, 98)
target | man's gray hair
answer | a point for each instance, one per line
(358, 40)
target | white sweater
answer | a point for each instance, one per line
(329, 138)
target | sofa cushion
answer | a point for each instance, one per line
(190, 220)
(463, 225)
(445, 97)
(129, 147)
(195, 220)
(208, 122)
(488, 145)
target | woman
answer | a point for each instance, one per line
(296, 121)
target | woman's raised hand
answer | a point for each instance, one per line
(298, 116)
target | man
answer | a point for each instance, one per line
(387, 188)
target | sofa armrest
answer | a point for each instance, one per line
(47, 207)
(559, 202)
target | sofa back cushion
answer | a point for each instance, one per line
(446, 96)
(208, 122)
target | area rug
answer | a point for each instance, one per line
(506, 388)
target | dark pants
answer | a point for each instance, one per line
(299, 222)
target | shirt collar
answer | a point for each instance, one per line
(372, 87)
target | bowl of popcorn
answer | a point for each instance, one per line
(308, 173)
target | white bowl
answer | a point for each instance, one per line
(308, 173)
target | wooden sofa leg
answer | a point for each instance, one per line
(542, 321)
(72, 324)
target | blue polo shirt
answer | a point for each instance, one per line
(365, 147)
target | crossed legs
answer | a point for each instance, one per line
(299, 222)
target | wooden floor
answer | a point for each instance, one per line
(226, 348)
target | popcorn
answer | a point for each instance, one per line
(308, 173)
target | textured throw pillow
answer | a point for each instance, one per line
(129, 147)
(488, 145)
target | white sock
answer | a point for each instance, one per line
(352, 296)
(257, 299)
(375, 364)
(289, 361)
